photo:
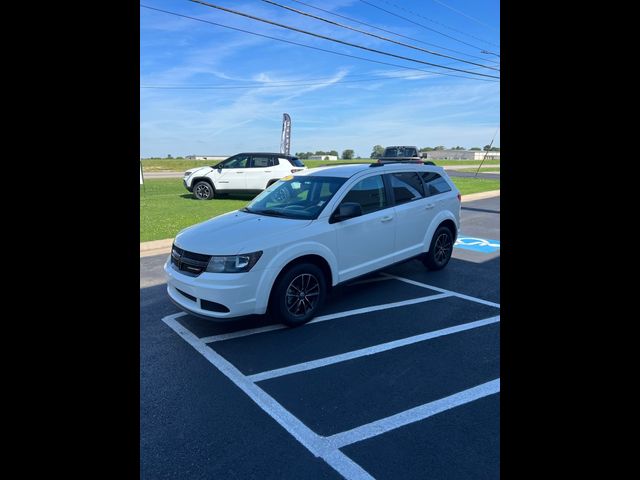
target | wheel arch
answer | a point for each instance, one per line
(200, 179)
(320, 256)
(445, 218)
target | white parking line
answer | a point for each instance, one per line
(412, 415)
(438, 289)
(324, 318)
(383, 347)
(313, 442)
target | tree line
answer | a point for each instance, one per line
(346, 154)
(378, 150)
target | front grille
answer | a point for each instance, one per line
(213, 306)
(189, 263)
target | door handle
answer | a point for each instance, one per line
(386, 219)
(267, 171)
(239, 172)
(431, 205)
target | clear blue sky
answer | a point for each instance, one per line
(350, 104)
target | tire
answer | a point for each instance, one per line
(440, 249)
(287, 303)
(203, 190)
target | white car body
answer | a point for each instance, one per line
(259, 171)
(350, 248)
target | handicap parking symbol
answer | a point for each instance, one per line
(477, 244)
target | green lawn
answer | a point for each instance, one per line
(166, 207)
(180, 165)
(482, 170)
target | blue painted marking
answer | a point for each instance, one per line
(477, 244)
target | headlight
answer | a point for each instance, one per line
(233, 263)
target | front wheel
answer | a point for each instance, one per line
(299, 294)
(440, 250)
(203, 190)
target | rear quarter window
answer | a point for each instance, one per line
(434, 183)
(296, 162)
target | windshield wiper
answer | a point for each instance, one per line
(269, 211)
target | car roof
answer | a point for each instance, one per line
(347, 171)
(281, 155)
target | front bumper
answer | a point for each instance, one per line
(235, 291)
(184, 182)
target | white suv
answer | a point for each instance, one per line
(308, 232)
(241, 173)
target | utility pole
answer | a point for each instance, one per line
(487, 153)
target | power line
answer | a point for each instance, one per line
(324, 37)
(287, 83)
(300, 12)
(463, 14)
(421, 25)
(440, 23)
(392, 33)
(333, 52)
(225, 87)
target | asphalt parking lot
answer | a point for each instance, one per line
(398, 377)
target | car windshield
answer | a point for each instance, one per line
(302, 197)
(400, 152)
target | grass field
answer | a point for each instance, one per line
(180, 165)
(482, 170)
(166, 207)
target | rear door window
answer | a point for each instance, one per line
(260, 161)
(407, 187)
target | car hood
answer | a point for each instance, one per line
(200, 170)
(236, 232)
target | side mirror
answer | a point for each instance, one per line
(345, 211)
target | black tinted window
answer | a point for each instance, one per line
(405, 187)
(273, 161)
(261, 162)
(237, 161)
(296, 162)
(369, 193)
(435, 184)
(400, 152)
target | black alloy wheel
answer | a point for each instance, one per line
(440, 250)
(203, 191)
(299, 294)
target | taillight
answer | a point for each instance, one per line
(294, 170)
(459, 197)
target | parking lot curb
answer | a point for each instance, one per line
(159, 247)
(479, 196)
(155, 247)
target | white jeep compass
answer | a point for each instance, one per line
(311, 231)
(241, 173)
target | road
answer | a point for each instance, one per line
(451, 170)
(202, 415)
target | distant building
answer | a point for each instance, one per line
(323, 157)
(459, 155)
(207, 157)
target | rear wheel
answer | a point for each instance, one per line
(440, 250)
(299, 294)
(203, 190)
